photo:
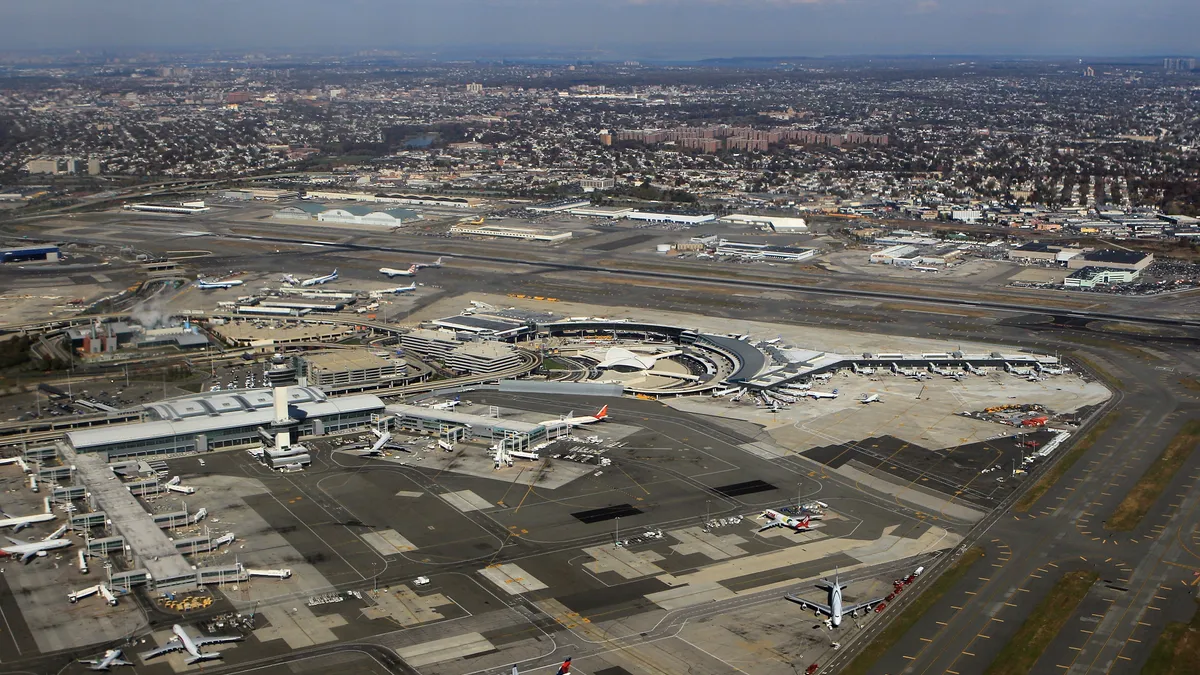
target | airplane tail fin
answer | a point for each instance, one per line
(603, 413)
(565, 668)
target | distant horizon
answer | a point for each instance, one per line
(654, 30)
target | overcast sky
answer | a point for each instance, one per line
(616, 28)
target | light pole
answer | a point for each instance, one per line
(375, 577)
(617, 541)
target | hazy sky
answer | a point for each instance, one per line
(616, 28)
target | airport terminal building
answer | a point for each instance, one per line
(217, 420)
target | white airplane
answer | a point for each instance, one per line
(290, 280)
(570, 421)
(834, 610)
(820, 394)
(18, 523)
(111, 658)
(445, 405)
(392, 272)
(205, 285)
(320, 280)
(435, 263)
(28, 550)
(184, 642)
(777, 519)
(395, 291)
(872, 398)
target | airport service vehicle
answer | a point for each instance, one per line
(206, 285)
(28, 550)
(392, 272)
(571, 421)
(777, 519)
(184, 642)
(316, 281)
(421, 581)
(834, 610)
(111, 658)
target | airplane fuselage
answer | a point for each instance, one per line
(835, 604)
(186, 640)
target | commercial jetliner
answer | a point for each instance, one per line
(570, 421)
(28, 550)
(18, 523)
(820, 394)
(395, 291)
(435, 263)
(392, 272)
(777, 519)
(834, 610)
(315, 281)
(111, 658)
(873, 398)
(205, 285)
(184, 642)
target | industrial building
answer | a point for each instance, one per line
(389, 198)
(1090, 277)
(356, 214)
(778, 224)
(456, 426)
(483, 357)
(610, 212)
(1036, 251)
(185, 208)
(30, 254)
(1112, 259)
(672, 218)
(204, 422)
(593, 184)
(559, 205)
(484, 325)
(507, 232)
(326, 369)
(755, 251)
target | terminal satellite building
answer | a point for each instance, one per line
(223, 420)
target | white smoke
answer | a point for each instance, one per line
(152, 313)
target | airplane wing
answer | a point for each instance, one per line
(16, 542)
(216, 639)
(26, 557)
(850, 609)
(120, 662)
(172, 645)
(809, 604)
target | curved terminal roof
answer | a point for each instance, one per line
(750, 359)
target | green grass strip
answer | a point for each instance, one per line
(1039, 630)
(1064, 464)
(912, 614)
(1153, 483)
(1177, 650)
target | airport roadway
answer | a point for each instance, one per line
(1147, 576)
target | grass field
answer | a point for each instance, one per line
(1064, 464)
(1177, 650)
(1151, 485)
(912, 614)
(1031, 639)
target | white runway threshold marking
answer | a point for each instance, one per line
(445, 649)
(465, 500)
(388, 542)
(512, 579)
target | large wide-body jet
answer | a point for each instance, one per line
(206, 285)
(111, 658)
(316, 281)
(393, 272)
(571, 421)
(182, 642)
(777, 519)
(28, 550)
(20, 522)
(834, 610)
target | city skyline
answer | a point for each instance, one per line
(616, 29)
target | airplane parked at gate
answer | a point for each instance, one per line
(184, 642)
(834, 610)
(206, 285)
(18, 523)
(320, 280)
(392, 272)
(777, 519)
(111, 658)
(28, 550)
(570, 421)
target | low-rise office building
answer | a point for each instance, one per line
(483, 357)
